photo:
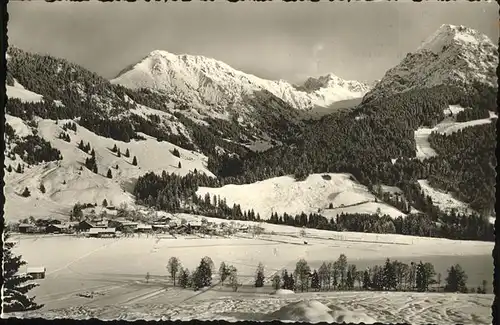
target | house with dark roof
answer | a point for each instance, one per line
(26, 228)
(57, 229)
(36, 272)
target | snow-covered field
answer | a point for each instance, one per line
(115, 269)
(66, 184)
(366, 307)
(447, 126)
(285, 194)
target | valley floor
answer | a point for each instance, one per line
(111, 273)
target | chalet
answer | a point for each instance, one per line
(144, 228)
(26, 228)
(160, 227)
(86, 225)
(101, 232)
(36, 272)
(195, 225)
(244, 229)
(57, 229)
(123, 225)
(107, 232)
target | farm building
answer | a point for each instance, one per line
(160, 227)
(36, 272)
(101, 232)
(144, 228)
(123, 225)
(57, 229)
(86, 225)
(26, 228)
(194, 225)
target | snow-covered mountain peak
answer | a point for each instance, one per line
(207, 84)
(333, 81)
(449, 35)
(453, 55)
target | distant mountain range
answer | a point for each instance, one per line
(241, 128)
(209, 85)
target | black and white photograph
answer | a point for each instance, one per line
(326, 161)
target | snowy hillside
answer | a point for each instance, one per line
(316, 193)
(454, 55)
(18, 91)
(68, 181)
(447, 126)
(213, 85)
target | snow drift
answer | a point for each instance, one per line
(314, 312)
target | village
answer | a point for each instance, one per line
(113, 222)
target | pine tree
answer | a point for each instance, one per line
(366, 280)
(184, 278)
(109, 175)
(351, 276)
(26, 192)
(19, 170)
(315, 283)
(259, 276)
(95, 169)
(233, 278)
(179, 165)
(9, 168)
(92, 153)
(15, 287)
(203, 274)
(81, 146)
(276, 281)
(118, 153)
(115, 148)
(127, 153)
(389, 277)
(456, 281)
(134, 161)
(42, 188)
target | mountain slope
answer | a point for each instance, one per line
(376, 141)
(453, 55)
(216, 89)
(67, 181)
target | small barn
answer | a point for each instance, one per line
(195, 225)
(123, 225)
(26, 228)
(101, 232)
(144, 228)
(107, 232)
(159, 227)
(36, 272)
(86, 225)
(57, 229)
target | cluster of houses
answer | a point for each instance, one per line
(104, 227)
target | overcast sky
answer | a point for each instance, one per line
(276, 40)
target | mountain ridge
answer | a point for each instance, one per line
(206, 82)
(452, 55)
